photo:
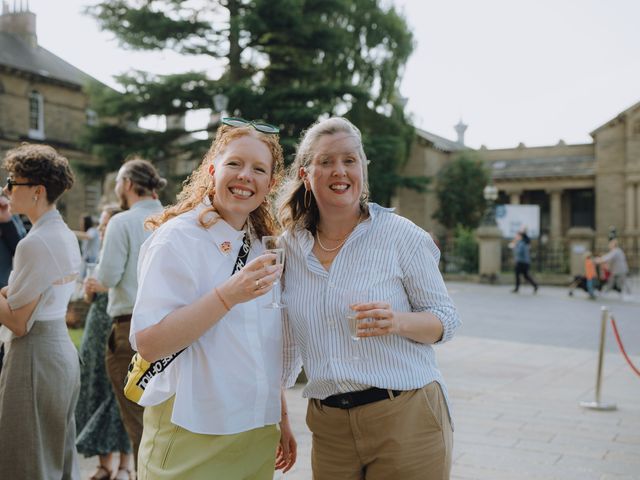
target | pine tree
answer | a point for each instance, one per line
(288, 62)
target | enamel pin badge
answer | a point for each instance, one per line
(225, 247)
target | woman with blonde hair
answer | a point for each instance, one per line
(365, 303)
(213, 412)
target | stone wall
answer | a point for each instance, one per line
(64, 109)
(64, 121)
(419, 207)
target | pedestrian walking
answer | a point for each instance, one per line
(616, 262)
(40, 378)
(522, 257)
(365, 304)
(136, 185)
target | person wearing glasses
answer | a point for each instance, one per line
(378, 405)
(214, 410)
(40, 379)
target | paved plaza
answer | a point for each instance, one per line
(516, 372)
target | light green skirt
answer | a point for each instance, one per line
(168, 451)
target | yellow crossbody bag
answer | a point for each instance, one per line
(140, 372)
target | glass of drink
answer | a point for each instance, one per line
(350, 299)
(275, 246)
(90, 270)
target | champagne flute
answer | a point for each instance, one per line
(274, 245)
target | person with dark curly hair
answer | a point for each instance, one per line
(40, 378)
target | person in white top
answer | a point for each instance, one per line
(214, 411)
(40, 378)
(365, 302)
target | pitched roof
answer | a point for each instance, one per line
(439, 142)
(542, 167)
(16, 54)
(619, 116)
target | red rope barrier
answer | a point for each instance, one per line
(624, 353)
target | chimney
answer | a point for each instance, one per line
(19, 22)
(460, 129)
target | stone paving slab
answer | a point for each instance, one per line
(512, 423)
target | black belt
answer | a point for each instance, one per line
(122, 319)
(355, 399)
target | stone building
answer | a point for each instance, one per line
(42, 100)
(582, 190)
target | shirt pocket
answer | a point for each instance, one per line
(374, 267)
(391, 291)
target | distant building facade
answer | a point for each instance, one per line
(42, 100)
(581, 189)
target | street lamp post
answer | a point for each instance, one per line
(490, 194)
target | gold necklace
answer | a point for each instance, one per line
(329, 250)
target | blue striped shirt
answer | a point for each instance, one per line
(394, 261)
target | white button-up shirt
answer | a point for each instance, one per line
(227, 381)
(394, 261)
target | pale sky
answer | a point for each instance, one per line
(532, 71)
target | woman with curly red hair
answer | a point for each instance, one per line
(214, 411)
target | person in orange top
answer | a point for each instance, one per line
(589, 273)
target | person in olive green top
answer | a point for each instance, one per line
(137, 185)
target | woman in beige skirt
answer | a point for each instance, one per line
(40, 378)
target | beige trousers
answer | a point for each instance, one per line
(408, 437)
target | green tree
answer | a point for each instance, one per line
(459, 192)
(288, 62)
(465, 249)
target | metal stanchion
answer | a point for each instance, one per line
(597, 404)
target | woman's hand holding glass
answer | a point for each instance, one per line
(376, 319)
(254, 280)
(274, 245)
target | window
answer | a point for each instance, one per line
(36, 116)
(583, 206)
(92, 118)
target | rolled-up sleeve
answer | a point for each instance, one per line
(292, 359)
(165, 283)
(423, 281)
(115, 252)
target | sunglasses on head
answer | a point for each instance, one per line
(12, 183)
(257, 124)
